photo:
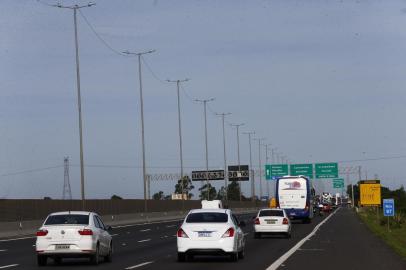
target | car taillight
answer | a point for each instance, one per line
(86, 232)
(256, 221)
(285, 221)
(181, 233)
(229, 233)
(42, 232)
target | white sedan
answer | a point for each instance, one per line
(271, 221)
(73, 234)
(210, 232)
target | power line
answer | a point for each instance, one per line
(32, 170)
(99, 37)
(152, 72)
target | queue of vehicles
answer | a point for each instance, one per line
(211, 230)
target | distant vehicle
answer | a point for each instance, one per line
(326, 198)
(295, 195)
(272, 221)
(210, 232)
(326, 208)
(73, 234)
(214, 204)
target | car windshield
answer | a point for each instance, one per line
(271, 213)
(207, 217)
(67, 220)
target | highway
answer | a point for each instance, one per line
(341, 242)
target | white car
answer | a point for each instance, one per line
(210, 232)
(272, 220)
(73, 234)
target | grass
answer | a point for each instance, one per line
(395, 238)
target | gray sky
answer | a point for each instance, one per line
(321, 80)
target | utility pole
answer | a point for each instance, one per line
(251, 169)
(180, 133)
(204, 101)
(260, 165)
(266, 162)
(237, 126)
(223, 115)
(144, 170)
(75, 8)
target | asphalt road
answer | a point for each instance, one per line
(341, 242)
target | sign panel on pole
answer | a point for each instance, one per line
(276, 170)
(370, 192)
(388, 207)
(338, 183)
(326, 170)
(238, 173)
(301, 169)
(212, 175)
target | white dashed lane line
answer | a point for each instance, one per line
(170, 226)
(3, 250)
(146, 230)
(138, 265)
(145, 240)
(8, 266)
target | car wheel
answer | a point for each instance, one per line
(241, 254)
(234, 256)
(109, 257)
(42, 260)
(181, 257)
(94, 259)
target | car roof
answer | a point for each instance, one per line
(72, 213)
(277, 209)
(225, 211)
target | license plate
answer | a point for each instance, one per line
(59, 247)
(204, 234)
(271, 222)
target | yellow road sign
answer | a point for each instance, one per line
(370, 194)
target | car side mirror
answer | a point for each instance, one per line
(109, 228)
(242, 224)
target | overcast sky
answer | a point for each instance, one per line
(321, 80)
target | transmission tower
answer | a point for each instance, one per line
(67, 192)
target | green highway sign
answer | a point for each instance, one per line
(302, 169)
(338, 183)
(326, 170)
(276, 170)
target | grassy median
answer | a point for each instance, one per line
(395, 237)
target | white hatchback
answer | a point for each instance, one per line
(73, 234)
(272, 220)
(210, 232)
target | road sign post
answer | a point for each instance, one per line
(388, 209)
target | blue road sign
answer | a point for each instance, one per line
(388, 207)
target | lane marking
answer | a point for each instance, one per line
(246, 234)
(146, 230)
(170, 226)
(2, 250)
(114, 234)
(15, 239)
(8, 266)
(145, 240)
(147, 223)
(290, 252)
(138, 265)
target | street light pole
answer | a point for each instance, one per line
(82, 169)
(223, 115)
(204, 101)
(144, 170)
(260, 165)
(180, 131)
(266, 162)
(238, 151)
(251, 169)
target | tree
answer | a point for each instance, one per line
(158, 196)
(187, 186)
(233, 192)
(207, 189)
(221, 194)
(116, 197)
